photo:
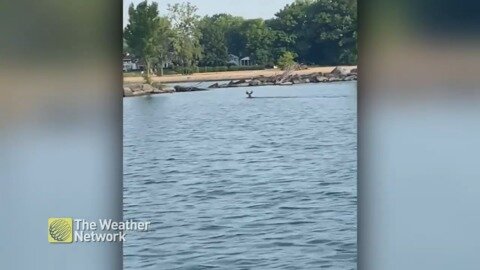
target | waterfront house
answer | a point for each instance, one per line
(129, 64)
(245, 61)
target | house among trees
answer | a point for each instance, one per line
(129, 64)
(235, 60)
(187, 39)
(245, 61)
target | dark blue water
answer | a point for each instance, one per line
(236, 183)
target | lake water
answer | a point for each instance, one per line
(236, 183)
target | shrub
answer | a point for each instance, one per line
(287, 60)
(191, 70)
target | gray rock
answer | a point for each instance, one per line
(237, 82)
(127, 92)
(342, 71)
(215, 85)
(179, 88)
(264, 79)
(136, 88)
(255, 82)
(321, 79)
(139, 93)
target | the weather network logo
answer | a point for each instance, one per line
(60, 230)
(70, 230)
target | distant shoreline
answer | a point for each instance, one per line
(135, 86)
(227, 75)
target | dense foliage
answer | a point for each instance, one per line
(315, 32)
(146, 34)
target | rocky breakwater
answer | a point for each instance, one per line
(290, 77)
(142, 89)
(179, 88)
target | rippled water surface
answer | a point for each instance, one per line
(236, 183)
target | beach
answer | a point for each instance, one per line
(227, 75)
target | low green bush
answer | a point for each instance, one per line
(191, 70)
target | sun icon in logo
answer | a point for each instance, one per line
(60, 230)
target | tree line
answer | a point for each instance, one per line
(312, 32)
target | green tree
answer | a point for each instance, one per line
(213, 42)
(287, 60)
(186, 34)
(320, 31)
(231, 26)
(259, 39)
(348, 42)
(144, 33)
(164, 41)
(313, 31)
(291, 24)
(333, 27)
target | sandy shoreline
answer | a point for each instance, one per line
(227, 75)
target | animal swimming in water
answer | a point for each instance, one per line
(249, 94)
